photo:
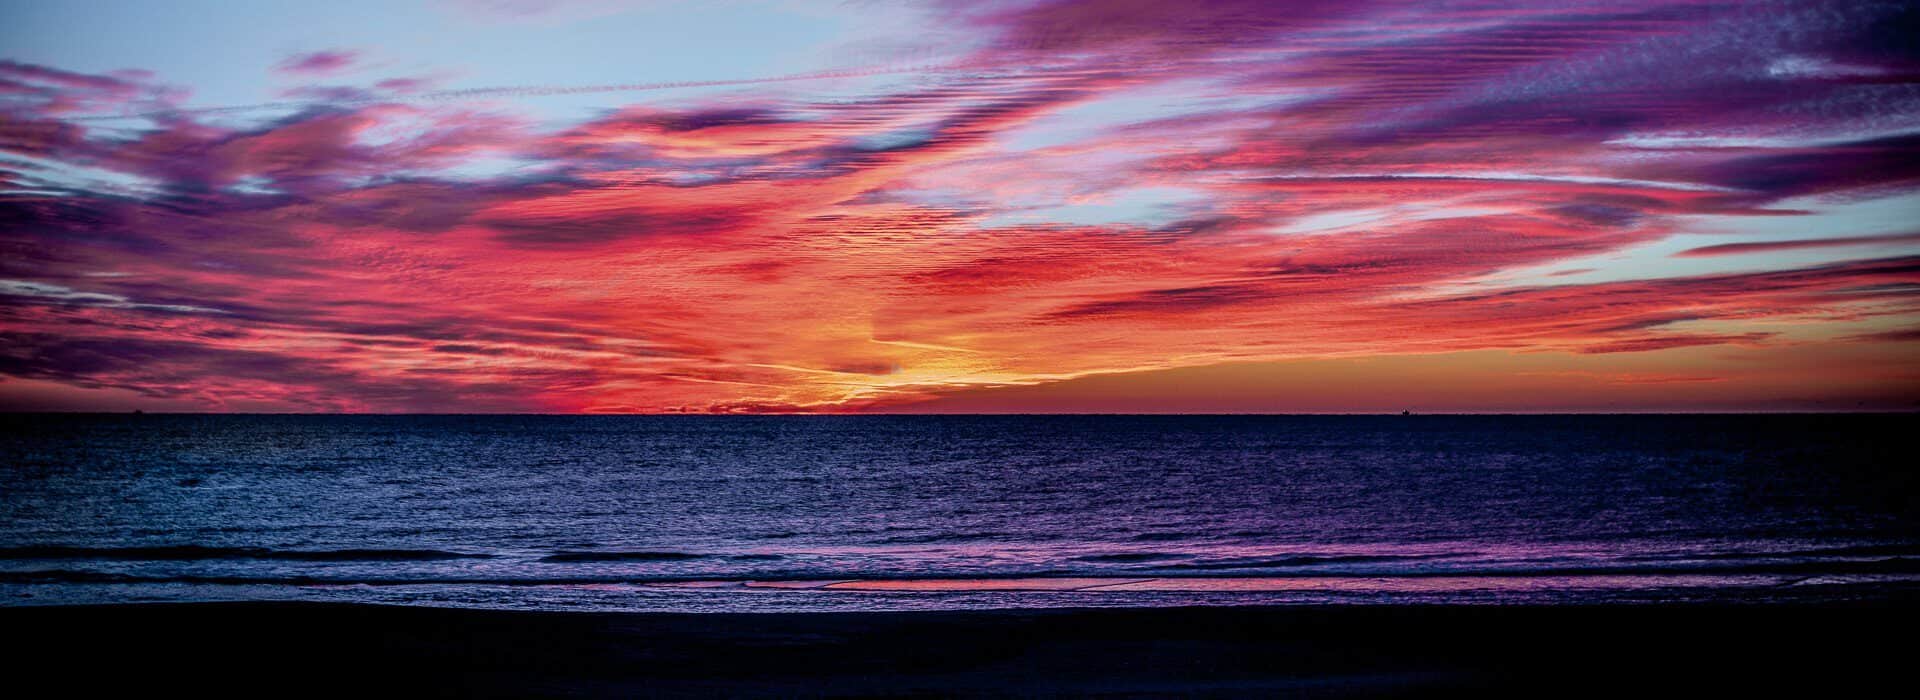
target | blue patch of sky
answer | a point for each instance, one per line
(1143, 206)
(1827, 218)
(225, 52)
(1091, 119)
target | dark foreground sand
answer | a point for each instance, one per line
(274, 649)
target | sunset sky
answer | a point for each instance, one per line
(867, 206)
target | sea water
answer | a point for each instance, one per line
(707, 513)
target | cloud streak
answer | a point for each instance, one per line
(1804, 244)
(318, 63)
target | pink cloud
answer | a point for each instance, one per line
(318, 63)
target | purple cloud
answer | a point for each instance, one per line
(318, 63)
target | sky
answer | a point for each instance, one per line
(743, 206)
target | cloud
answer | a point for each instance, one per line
(1102, 189)
(1903, 335)
(1652, 343)
(36, 291)
(1804, 244)
(318, 63)
(24, 74)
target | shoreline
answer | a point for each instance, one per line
(279, 648)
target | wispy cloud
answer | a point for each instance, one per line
(318, 63)
(1803, 244)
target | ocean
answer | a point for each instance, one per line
(834, 513)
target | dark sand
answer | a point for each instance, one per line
(279, 649)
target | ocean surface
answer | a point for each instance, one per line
(692, 513)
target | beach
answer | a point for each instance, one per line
(280, 649)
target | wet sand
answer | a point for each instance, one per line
(280, 649)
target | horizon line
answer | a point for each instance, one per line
(1413, 414)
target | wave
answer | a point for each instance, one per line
(1304, 560)
(70, 576)
(192, 552)
(944, 537)
(1894, 566)
(1250, 568)
(663, 555)
(1864, 550)
(620, 556)
(1129, 557)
